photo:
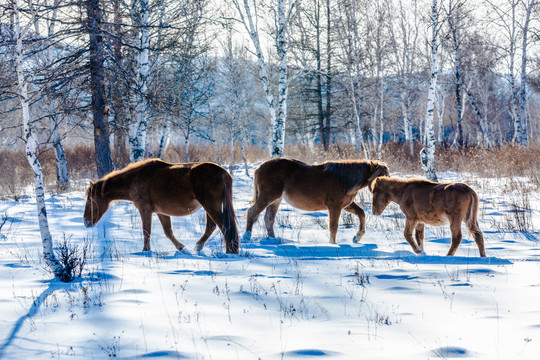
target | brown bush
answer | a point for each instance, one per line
(501, 161)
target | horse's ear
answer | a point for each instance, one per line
(378, 169)
(371, 186)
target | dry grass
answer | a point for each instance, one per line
(503, 161)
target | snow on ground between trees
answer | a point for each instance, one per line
(293, 297)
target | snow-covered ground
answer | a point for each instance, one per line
(295, 297)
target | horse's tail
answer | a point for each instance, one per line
(471, 219)
(230, 228)
(255, 189)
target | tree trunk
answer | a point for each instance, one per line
(164, 139)
(320, 113)
(483, 125)
(62, 173)
(441, 99)
(186, 146)
(138, 130)
(118, 93)
(231, 160)
(243, 152)
(99, 111)
(452, 22)
(277, 118)
(278, 129)
(523, 85)
(32, 150)
(427, 154)
(328, 112)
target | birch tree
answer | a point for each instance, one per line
(307, 48)
(454, 18)
(283, 12)
(529, 8)
(427, 154)
(46, 58)
(513, 18)
(350, 43)
(30, 138)
(138, 129)
(404, 44)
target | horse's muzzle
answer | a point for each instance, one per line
(88, 223)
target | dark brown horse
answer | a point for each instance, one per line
(155, 186)
(330, 186)
(426, 202)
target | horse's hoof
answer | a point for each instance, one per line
(355, 239)
(246, 237)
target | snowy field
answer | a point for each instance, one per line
(295, 297)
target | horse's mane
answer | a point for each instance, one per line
(396, 184)
(133, 166)
(352, 173)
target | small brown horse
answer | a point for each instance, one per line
(330, 186)
(426, 202)
(155, 186)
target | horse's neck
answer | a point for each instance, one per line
(395, 190)
(117, 188)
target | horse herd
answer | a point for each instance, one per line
(155, 186)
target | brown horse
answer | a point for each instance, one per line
(426, 202)
(155, 186)
(330, 186)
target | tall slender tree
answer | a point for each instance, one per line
(94, 28)
(30, 137)
(284, 12)
(427, 154)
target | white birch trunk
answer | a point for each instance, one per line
(381, 118)
(186, 146)
(278, 129)
(441, 100)
(514, 112)
(138, 130)
(523, 86)
(277, 118)
(427, 154)
(164, 139)
(32, 150)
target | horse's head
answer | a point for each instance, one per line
(377, 169)
(96, 204)
(381, 198)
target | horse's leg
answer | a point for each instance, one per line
(408, 233)
(252, 215)
(358, 211)
(419, 235)
(455, 229)
(333, 222)
(167, 228)
(210, 227)
(146, 217)
(270, 217)
(478, 238)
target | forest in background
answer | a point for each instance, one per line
(129, 77)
